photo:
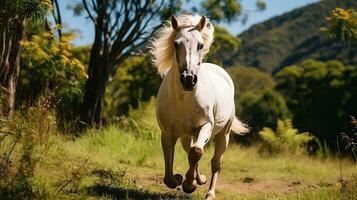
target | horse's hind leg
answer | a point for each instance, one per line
(187, 143)
(221, 143)
(168, 146)
(194, 155)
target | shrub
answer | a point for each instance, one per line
(48, 66)
(262, 111)
(285, 138)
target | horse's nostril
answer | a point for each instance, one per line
(182, 78)
(194, 81)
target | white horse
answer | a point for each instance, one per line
(195, 100)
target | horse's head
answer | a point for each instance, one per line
(188, 45)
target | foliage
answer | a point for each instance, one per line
(286, 139)
(223, 42)
(250, 85)
(227, 10)
(222, 10)
(82, 53)
(292, 38)
(343, 24)
(49, 69)
(263, 111)
(249, 80)
(30, 9)
(136, 81)
(14, 16)
(321, 96)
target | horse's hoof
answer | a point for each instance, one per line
(189, 188)
(210, 196)
(179, 179)
(201, 179)
(173, 182)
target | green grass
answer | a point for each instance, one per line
(124, 161)
(141, 161)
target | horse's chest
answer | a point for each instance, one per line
(189, 122)
(184, 118)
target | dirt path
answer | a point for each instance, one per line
(246, 186)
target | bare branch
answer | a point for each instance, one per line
(88, 11)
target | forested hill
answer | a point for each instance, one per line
(293, 37)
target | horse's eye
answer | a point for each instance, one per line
(200, 46)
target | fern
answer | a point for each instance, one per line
(285, 139)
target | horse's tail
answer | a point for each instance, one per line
(239, 127)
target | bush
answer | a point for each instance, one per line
(262, 111)
(50, 69)
(285, 139)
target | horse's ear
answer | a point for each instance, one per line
(174, 22)
(202, 23)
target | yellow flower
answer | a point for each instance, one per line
(341, 13)
(64, 59)
(48, 35)
(47, 3)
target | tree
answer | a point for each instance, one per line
(121, 27)
(14, 15)
(321, 95)
(57, 17)
(249, 80)
(342, 24)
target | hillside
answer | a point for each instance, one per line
(293, 37)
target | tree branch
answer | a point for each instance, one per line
(88, 11)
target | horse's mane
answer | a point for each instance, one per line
(162, 45)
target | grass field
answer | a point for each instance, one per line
(124, 161)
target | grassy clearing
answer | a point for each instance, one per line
(124, 161)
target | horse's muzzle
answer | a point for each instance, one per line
(188, 80)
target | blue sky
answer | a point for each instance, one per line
(274, 8)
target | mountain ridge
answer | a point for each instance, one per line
(291, 38)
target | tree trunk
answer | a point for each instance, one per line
(10, 62)
(94, 89)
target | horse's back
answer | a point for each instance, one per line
(217, 73)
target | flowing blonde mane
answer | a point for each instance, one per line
(162, 46)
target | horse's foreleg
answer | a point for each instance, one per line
(168, 146)
(221, 143)
(194, 155)
(187, 143)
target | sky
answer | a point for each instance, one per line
(274, 8)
